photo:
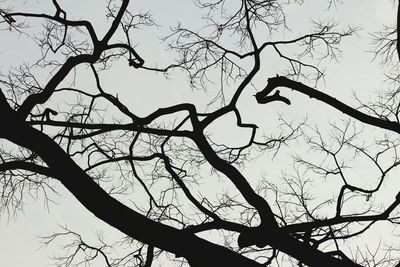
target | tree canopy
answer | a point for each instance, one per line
(208, 133)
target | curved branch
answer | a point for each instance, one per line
(32, 100)
(280, 81)
(78, 23)
(115, 22)
(110, 210)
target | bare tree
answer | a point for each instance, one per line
(101, 149)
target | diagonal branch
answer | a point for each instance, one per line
(115, 22)
(107, 208)
(39, 98)
(281, 81)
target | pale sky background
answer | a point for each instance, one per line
(19, 242)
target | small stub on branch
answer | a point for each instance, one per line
(263, 96)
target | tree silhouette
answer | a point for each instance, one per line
(143, 174)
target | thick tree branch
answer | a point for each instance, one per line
(115, 22)
(140, 142)
(240, 182)
(108, 209)
(78, 23)
(281, 81)
(72, 62)
(40, 98)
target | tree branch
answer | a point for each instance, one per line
(107, 208)
(27, 166)
(280, 81)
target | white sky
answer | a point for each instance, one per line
(19, 243)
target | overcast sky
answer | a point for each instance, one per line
(19, 242)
